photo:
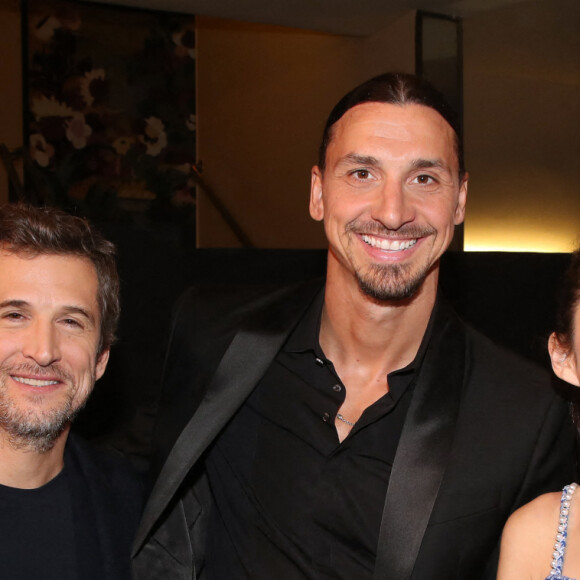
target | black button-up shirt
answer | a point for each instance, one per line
(291, 501)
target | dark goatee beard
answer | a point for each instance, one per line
(391, 282)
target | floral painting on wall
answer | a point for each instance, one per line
(111, 117)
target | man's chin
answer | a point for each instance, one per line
(37, 432)
(390, 283)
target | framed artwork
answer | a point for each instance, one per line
(110, 110)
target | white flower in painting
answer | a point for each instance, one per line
(40, 150)
(77, 131)
(122, 145)
(44, 28)
(85, 89)
(191, 122)
(50, 107)
(154, 127)
(155, 138)
(184, 41)
(43, 25)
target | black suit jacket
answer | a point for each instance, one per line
(484, 434)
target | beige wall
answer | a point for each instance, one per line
(522, 126)
(10, 83)
(264, 93)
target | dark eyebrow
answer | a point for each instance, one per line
(67, 309)
(355, 159)
(370, 161)
(79, 310)
(14, 304)
(430, 164)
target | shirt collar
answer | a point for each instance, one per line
(304, 338)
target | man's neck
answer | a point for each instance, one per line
(25, 468)
(359, 330)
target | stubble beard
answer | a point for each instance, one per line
(34, 428)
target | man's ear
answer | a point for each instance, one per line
(461, 201)
(563, 361)
(102, 360)
(316, 202)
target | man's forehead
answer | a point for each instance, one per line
(30, 254)
(392, 115)
(368, 124)
(57, 270)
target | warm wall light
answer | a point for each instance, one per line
(487, 240)
(515, 247)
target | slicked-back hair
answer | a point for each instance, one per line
(395, 89)
(33, 231)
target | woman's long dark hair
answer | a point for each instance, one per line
(568, 302)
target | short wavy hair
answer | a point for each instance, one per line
(29, 230)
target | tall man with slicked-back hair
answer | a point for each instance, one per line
(67, 511)
(352, 428)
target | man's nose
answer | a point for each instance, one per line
(392, 207)
(42, 344)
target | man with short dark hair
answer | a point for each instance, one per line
(68, 511)
(355, 429)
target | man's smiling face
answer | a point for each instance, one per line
(49, 337)
(390, 196)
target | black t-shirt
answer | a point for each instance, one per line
(37, 531)
(291, 501)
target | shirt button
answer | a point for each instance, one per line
(325, 417)
(319, 362)
(337, 388)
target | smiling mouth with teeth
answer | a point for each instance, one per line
(35, 382)
(386, 244)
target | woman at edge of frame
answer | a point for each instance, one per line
(541, 540)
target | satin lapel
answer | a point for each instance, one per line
(244, 363)
(423, 450)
